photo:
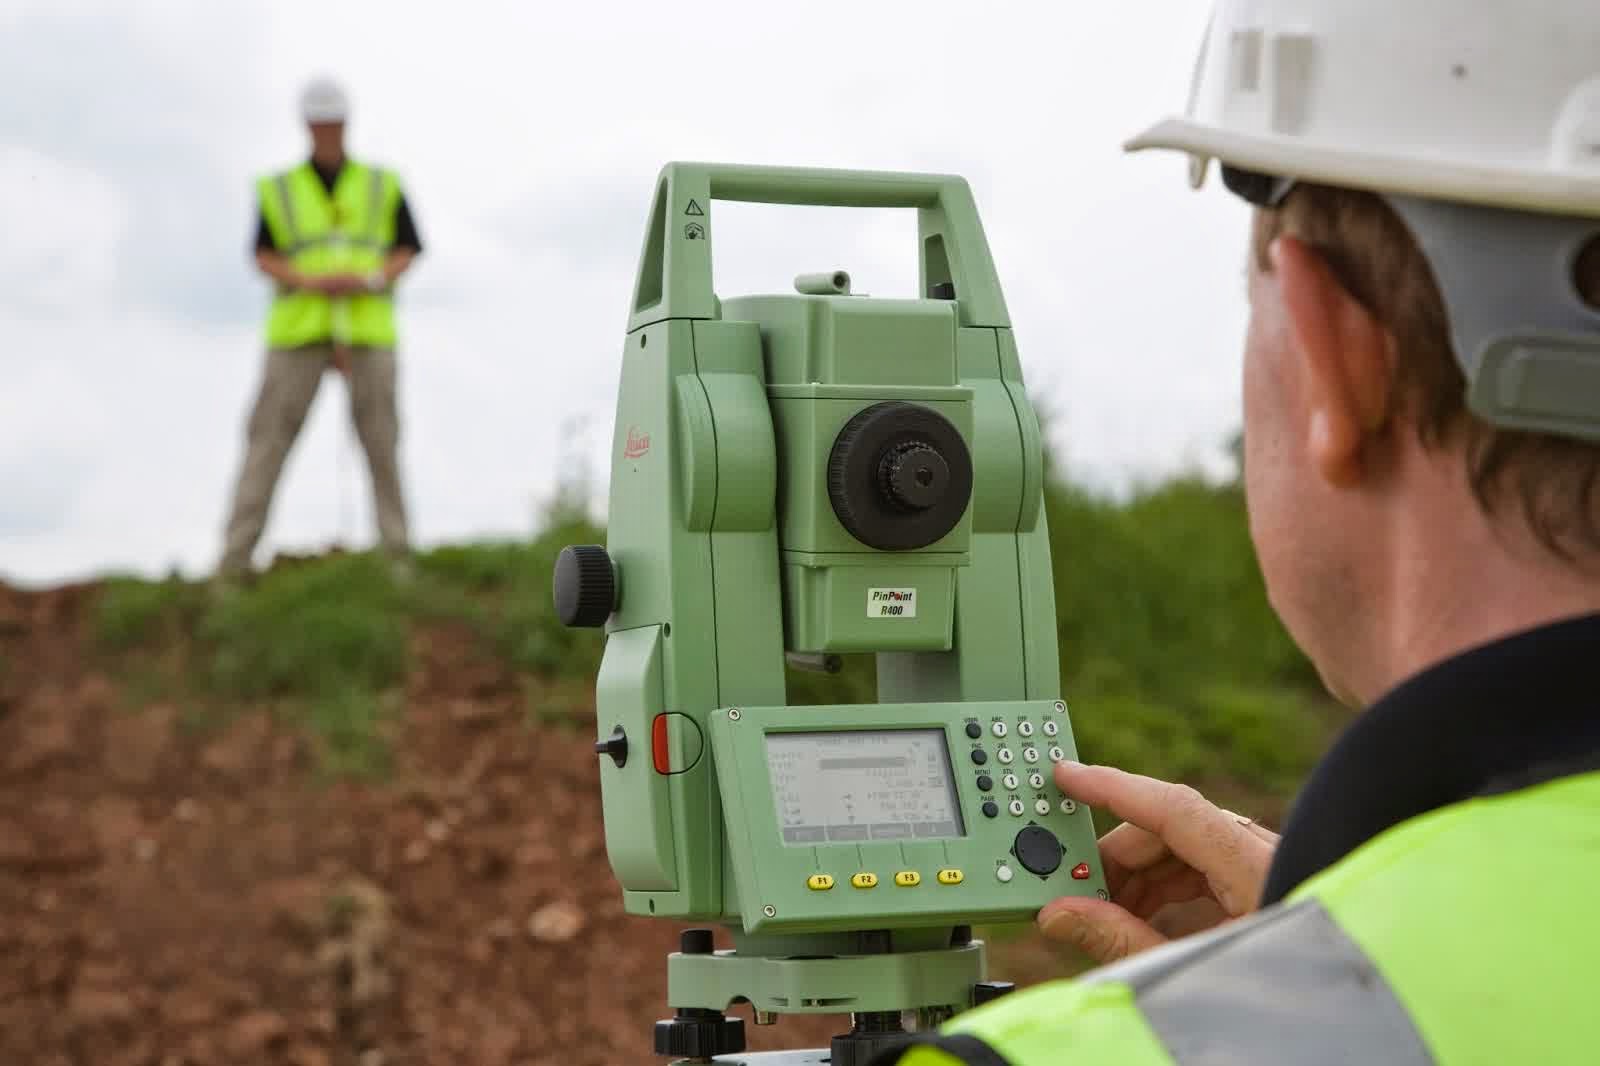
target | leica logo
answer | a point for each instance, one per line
(637, 446)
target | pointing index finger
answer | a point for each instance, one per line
(1196, 831)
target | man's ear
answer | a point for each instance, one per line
(1346, 360)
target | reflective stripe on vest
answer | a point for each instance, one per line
(1284, 986)
(346, 230)
(298, 242)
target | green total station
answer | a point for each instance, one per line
(796, 478)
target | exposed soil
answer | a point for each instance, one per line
(174, 897)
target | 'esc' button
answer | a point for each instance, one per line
(819, 882)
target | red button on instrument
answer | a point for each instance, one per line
(658, 746)
(1080, 872)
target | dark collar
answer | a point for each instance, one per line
(1506, 715)
(329, 175)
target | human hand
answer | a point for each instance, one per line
(341, 360)
(1174, 848)
(337, 284)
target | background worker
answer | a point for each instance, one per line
(1422, 466)
(334, 235)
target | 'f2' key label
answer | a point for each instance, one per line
(891, 603)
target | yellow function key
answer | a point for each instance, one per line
(908, 879)
(865, 880)
(951, 876)
(819, 882)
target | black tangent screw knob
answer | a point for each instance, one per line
(699, 1034)
(616, 746)
(585, 586)
(987, 991)
(914, 476)
(696, 942)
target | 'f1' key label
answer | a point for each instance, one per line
(891, 603)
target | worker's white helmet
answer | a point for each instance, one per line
(1493, 102)
(1477, 121)
(324, 100)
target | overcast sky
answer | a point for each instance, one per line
(528, 137)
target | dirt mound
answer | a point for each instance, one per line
(173, 897)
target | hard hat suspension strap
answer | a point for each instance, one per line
(1525, 332)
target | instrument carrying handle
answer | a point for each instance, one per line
(674, 279)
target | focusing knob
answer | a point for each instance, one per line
(1038, 850)
(899, 476)
(989, 991)
(914, 476)
(585, 586)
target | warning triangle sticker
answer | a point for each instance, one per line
(693, 209)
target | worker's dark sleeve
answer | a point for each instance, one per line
(405, 228)
(264, 241)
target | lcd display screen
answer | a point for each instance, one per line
(859, 786)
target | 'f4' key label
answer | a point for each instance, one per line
(891, 603)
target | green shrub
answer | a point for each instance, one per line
(1166, 588)
(513, 584)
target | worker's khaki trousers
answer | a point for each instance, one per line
(287, 388)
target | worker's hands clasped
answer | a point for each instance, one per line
(336, 284)
(1174, 848)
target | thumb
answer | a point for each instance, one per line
(1101, 930)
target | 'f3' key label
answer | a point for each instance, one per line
(891, 603)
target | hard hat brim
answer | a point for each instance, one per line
(1540, 191)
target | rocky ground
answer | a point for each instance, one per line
(174, 896)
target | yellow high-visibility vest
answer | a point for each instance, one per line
(349, 231)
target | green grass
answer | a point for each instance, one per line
(136, 614)
(325, 642)
(1172, 660)
(323, 629)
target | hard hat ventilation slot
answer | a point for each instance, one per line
(1247, 60)
(1586, 273)
(1576, 138)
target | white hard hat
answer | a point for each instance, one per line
(1490, 102)
(324, 100)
